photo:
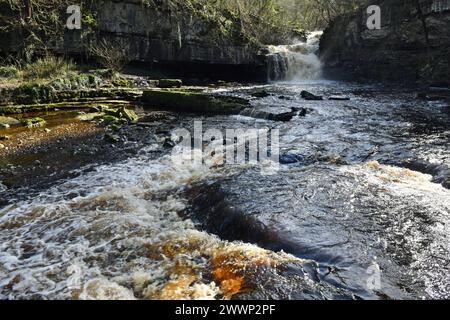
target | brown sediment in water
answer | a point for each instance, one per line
(24, 140)
(232, 268)
(231, 279)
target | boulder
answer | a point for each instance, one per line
(128, 115)
(302, 112)
(310, 96)
(260, 94)
(170, 83)
(34, 122)
(195, 102)
(6, 122)
(430, 97)
(111, 138)
(270, 113)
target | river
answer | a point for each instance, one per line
(358, 210)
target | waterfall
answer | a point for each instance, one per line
(297, 61)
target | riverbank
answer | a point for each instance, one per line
(34, 159)
(138, 225)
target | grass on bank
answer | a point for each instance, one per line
(42, 70)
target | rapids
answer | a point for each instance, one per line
(344, 218)
(342, 205)
(298, 61)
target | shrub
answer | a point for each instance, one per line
(48, 67)
(110, 55)
(9, 72)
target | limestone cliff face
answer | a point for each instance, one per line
(170, 34)
(413, 44)
(173, 34)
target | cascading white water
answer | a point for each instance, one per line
(297, 61)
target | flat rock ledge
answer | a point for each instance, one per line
(193, 102)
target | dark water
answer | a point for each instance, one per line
(344, 217)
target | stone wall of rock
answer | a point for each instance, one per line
(169, 34)
(163, 32)
(413, 44)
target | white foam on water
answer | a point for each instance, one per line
(298, 61)
(116, 233)
(413, 189)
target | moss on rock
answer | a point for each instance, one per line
(196, 102)
(170, 83)
(34, 122)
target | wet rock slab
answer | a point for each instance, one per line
(270, 113)
(193, 102)
(343, 217)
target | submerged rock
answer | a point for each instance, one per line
(431, 97)
(112, 138)
(196, 102)
(110, 119)
(310, 96)
(90, 116)
(6, 122)
(34, 122)
(128, 115)
(153, 117)
(270, 113)
(261, 94)
(170, 83)
(302, 112)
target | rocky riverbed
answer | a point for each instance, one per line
(359, 208)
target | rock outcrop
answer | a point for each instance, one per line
(412, 45)
(178, 36)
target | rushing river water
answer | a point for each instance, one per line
(344, 217)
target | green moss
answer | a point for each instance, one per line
(121, 83)
(112, 112)
(9, 72)
(109, 119)
(128, 115)
(34, 122)
(197, 102)
(33, 92)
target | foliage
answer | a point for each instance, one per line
(40, 23)
(317, 14)
(9, 72)
(111, 55)
(47, 67)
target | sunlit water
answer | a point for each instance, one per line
(298, 61)
(341, 208)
